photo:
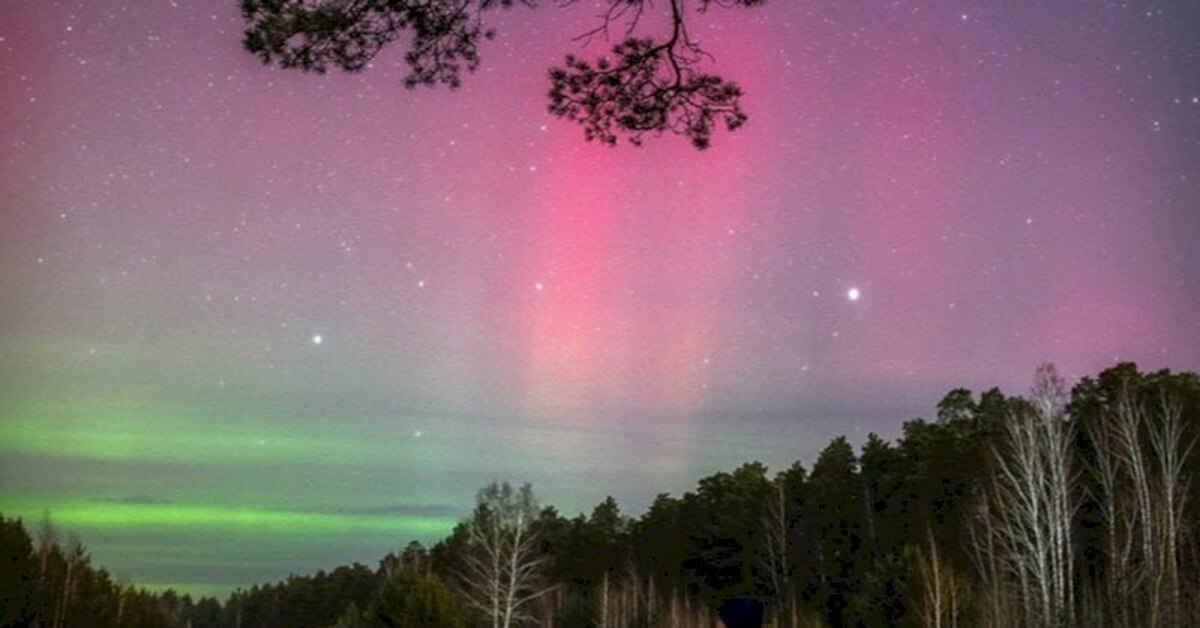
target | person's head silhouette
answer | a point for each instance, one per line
(741, 612)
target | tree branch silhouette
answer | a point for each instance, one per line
(313, 35)
(650, 87)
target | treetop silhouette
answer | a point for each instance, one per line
(649, 86)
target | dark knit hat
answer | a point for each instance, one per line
(741, 612)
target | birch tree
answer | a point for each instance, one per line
(1033, 504)
(1108, 472)
(503, 566)
(1171, 449)
(940, 588)
(1148, 451)
(775, 528)
(779, 530)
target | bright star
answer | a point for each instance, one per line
(318, 339)
(853, 294)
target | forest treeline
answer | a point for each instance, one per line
(1063, 507)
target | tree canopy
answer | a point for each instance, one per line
(650, 85)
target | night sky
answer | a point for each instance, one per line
(255, 322)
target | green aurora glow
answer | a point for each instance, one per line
(157, 448)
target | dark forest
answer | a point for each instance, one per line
(1052, 509)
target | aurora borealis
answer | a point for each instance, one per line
(255, 322)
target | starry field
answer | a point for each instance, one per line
(255, 322)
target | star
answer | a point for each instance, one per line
(853, 294)
(318, 339)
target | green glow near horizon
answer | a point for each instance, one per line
(131, 432)
(205, 497)
(82, 515)
(173, 538)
